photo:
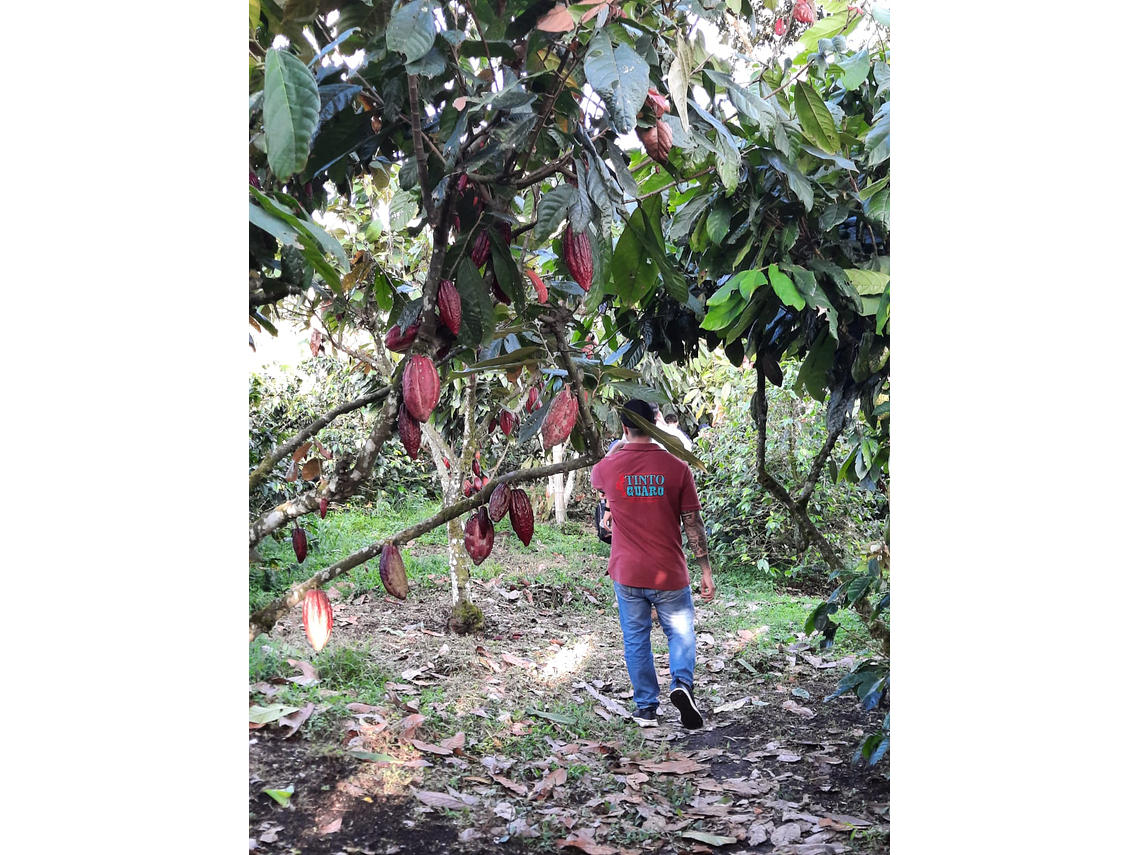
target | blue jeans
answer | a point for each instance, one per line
(675, 612)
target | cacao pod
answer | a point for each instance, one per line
(401, 343)
(522, 516)
(658, 141)
(468, 488)
(781, 26)
(506, 422)
(539, 285)
(450, 306)
(392, 572)
(410, 434)
(317, 616)
(499, 293)
(579, 255)
(658, 102)
(300, 544)
(771, 368)
(804, 12)
(324, 507)
(532, 402)
(560, 419)
(479, 536)
(500, 502)
(481, 249)
(421, 387)
(476, 468)
(461, 185)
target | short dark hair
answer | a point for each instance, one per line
(643, 409)
(672, 419)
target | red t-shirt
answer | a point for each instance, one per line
(647, 489)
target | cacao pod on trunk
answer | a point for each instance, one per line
(658, 141)
(560, 419)
(506, 422)
(401, 343)
(500, 502)
(579, 255)
(539, 286)
(479, 536)
(317, 616)
(450, 306)
(392, 572)
(300, 544)
(481, 248)
(410, 434)
(324, 507)
(532, 402)
(421, 387)
(522, 516)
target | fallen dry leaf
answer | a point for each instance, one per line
(757, 833)
(587, 845)
(294, 721)
(454, 743)
(517, 789)
(511, 659)
(267, 689)
(553, 778)
(711, 839)
(674, 767)
(408, 726)
(430, 748)
(787, 757)
(787, 833)
(839, 820)
(333, 827)
(792, 706)
(308, 673)
(442, 800)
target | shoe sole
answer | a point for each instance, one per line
(683, 701)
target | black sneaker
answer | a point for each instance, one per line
(646, 717)
(682, 698)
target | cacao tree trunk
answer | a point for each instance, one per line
(558, 488)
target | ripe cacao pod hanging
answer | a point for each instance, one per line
(500, 502)
(401, 343)
(479, 536)
(539, 285)
(658, 102)
(506, 422)
(781, 26)
(804, 12)
(421, 387)
(499, 293)
(476, 468)
(450, 306)
(532, 401)
(300, 544)
(481, 248)
(392, 572)
(410, 434)
(468, 488)
(317, 616)
(579, 256)
(522, 516)
(658, 141)
(461, 185)
(492, 423)
(324, 507)
(560, 419)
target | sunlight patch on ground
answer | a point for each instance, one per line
(568, 660)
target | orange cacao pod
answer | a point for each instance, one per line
(400, 343)
(316, 615)
(560, 419)
(421, 387)
(410, 434)
(579, 255)
(479, 536)
(450, 306)
(539, 285)
(300, 544)
(522, 516)
(392, 572)
(658, 141)
(506, 422)
(500, 502)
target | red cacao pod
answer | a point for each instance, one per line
(658, 102)
(481, 249)
(461, 185)
(539, 285)
(410, 434)
(476, 468)
(658, 141)
(300, 544)
(804, 12)
(392, 572)
(507, 422)
(324, 507)
(421, 387)
(450, 306)
(317, 616)
(500, 502)
(492, 423)
(560, 419)
(522, 516)
(479, 536)
(579, 256)
(499, 293)
(781, 26)
(401, 343)
(532, 401)
(468, 488)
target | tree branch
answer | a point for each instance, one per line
(264, 619)
(817, 467)
(418, 145)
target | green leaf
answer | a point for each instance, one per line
(648, 230)
(271, 713)
(749, 281)
(558, 717)
(254, 16)
(815, 119)
(878, 141)
(292, 107)
(620, 76)
(724, 293)
(478, 316)
(404, 207)
(813, 371)
(720, 218)
(506, 271)
(299, 10)
(412, 29)
(552, 210)
(686, 217)
(680, 71)
(531, 424)
(433, 64)
(878, 208)
(624, 176)
(728, 163)
(884, 313)
(881, 14)
(634, 275)
(280, 796)
(855, 70)
(725, 313)
(823, 29)
(749, 103)
(315, 241)
(785, 289)
(372, 756)
(868, 282)
(280, 229)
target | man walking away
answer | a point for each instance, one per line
(672, 425)
(650, 495)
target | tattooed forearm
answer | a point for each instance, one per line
(695, 532)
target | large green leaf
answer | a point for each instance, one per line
(813, 372)
(728, 163)
(749, 103)
(634, 274)
(855, 70)
(506, 271)
(412, 29)
(868, 282)
(785, 289)
(824, 29)
(686, 217)
(720, 218)
(878, 141)
(748, 281)
(680, 71)
(620, 77)
(315, 241)
(552, 210)
(648, 228)
(724, 314)
(292, 107)
(478, 316)
(815, 119)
